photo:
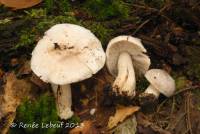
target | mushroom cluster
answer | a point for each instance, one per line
(70, 53)
(66, 54)
(126, 59)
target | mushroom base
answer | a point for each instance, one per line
(125, 82)
(152, 90)
(63, 100)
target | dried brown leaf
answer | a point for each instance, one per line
(19, 4)
(121, 114)
(86, 128)
(1, 73)
(15, 90)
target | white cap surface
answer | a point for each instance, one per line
(161, 80)
(134, 47)
(67, 53)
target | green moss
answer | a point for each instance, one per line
(193, 68)
(29, 36)
(26, 38)
(74, 119)
(35, 13)
(59, 6)
(105, 9)
(103, 33)
(181, 82)
(142, 84)
(41, 111)
(46, 23)
(49, 5)
(194, 71)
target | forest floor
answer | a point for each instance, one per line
(170, 31)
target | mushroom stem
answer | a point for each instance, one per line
(125, 82)
(152, 90)
(63, 100)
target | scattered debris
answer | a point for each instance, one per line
(92, 111)
(147, 127)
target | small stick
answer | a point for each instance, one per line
(140, 26)
(188, 112)
(186, 89)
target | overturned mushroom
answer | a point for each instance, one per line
(160, 82)
(66, 54)
(125, 59)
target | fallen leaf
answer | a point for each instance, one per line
(19, 4)
(121, 114)
(1, 73)
(15, 90)
(86, 127)
(129, 126)
(7, 122)
(25, 70)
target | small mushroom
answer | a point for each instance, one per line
(160, 82)
(66, 54)
(126, 58)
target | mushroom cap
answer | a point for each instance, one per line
(66, 54)
(134, 47)
(162, 81)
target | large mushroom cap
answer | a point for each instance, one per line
(134, 47)
(161, 80)
(67, 53)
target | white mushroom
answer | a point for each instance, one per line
(66, 54)
(160, 82)
(125, 58)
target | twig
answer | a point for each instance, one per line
(159, 106)
(186, 89)
(173, 106)
(196, 5)
(188, 112)
(171, 126)
(140, 26)
(186, 131)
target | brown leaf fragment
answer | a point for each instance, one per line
(128, 126)
(121, 114)
(25, 70)
(19, 4)
(14, 91)
(6, 122)
(86, 127)
(1, 73)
